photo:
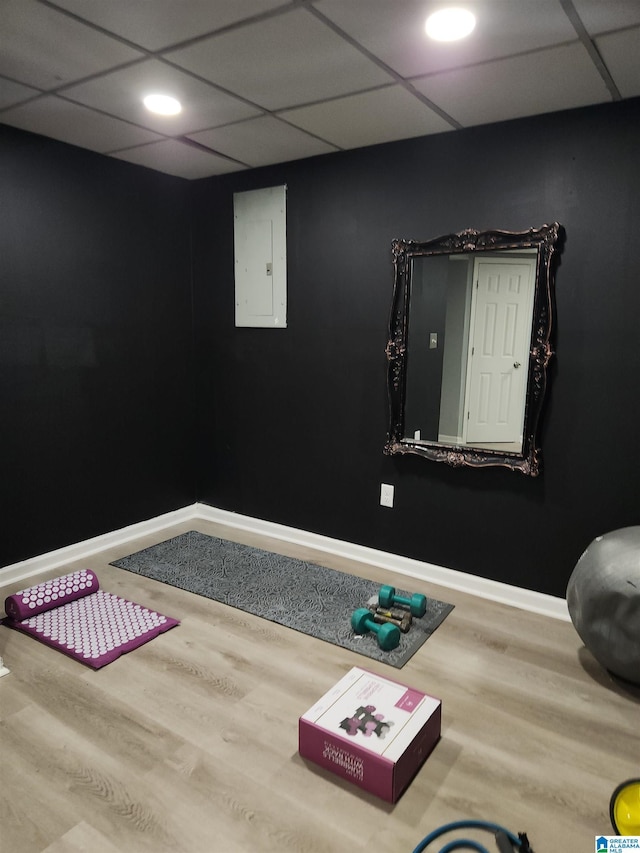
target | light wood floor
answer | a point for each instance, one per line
(189, 744)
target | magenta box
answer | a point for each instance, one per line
(371, 731)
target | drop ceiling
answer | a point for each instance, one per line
(266, 81)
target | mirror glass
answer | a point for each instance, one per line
(469, 346)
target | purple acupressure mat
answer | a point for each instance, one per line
(73, 615)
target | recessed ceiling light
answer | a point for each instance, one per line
(450, 24)
(164, 105)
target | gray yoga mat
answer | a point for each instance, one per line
(304, 596)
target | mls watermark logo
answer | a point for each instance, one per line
(616, 843)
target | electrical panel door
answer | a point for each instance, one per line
(260, 246)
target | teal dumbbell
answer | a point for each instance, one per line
(417, 604)
(388, 635)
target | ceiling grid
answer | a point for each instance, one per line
(266, 81)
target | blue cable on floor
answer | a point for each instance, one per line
(507, 842)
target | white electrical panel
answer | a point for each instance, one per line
(260, 247)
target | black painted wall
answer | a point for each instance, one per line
(291, 422)
(101, 377)
(96, 396)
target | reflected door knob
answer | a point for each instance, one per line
(516, 364)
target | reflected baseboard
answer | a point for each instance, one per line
(450, 439)
(506, 446)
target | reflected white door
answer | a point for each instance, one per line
(499, 354)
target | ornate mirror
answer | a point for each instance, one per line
(469, 345)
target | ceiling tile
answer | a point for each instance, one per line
(621, 54)
(179, 159)
(395, 32)
(319, 64)
(60, 119)
(541, 82)
(368, 118)
(172, 21)
(13, 93)
(262, 141)
(281, 62)
(599, 17)
(121, 93)
(43, 48)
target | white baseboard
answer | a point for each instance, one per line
(535, 602)
(525, 599)
(35, 565)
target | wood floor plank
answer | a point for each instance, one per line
(80, 839)
(189, 743)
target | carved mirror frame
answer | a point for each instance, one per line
(546, 240)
